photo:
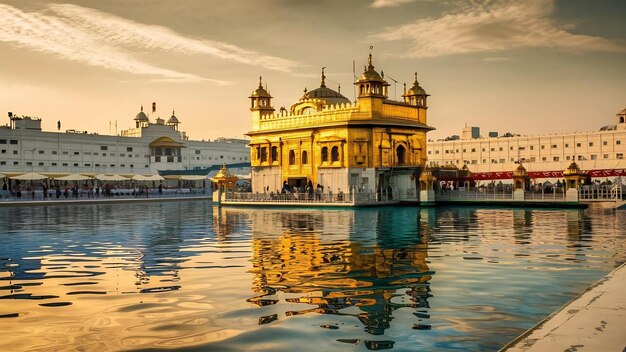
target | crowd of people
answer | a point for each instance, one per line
(18, 190)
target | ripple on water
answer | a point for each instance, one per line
(190, 275)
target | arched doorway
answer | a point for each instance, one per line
(401, 155)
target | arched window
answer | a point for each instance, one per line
(292, 157)
(263, 154)
(305, 158)
(400, 155)
(334, 154)
(325, 154)
(274, 153)
(621, 119)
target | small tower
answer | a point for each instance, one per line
(371, 89)
(621, 119)
(173, 121)
(260, 104)
(427, 187)
(371, 84)
(224, 183)
(141, 120)
(574, 177)
(416, 95)
(521, 180)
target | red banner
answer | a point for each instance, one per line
(507, 175)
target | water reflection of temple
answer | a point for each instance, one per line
(331, 261)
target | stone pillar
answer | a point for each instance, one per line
(217, 196)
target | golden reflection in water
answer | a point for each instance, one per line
(188, 276)
(293, 252)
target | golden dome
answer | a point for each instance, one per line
(224, 175)
(324, 93)
(427, 175)
(572, 169)
(520, 171)
(369, 74)
(260, 91)
(416, 89)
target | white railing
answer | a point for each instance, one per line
(601, 193)
(481, 194)
(497, 195)
(308, 198)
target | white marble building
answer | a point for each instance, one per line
(145, 149)
(600, 151)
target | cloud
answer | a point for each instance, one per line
(99, 39)
(389, 3)
(122, 32)
(494, 25)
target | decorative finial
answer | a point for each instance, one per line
(173, 112)
(260, 82)
(339, 88)
(323, 84)
(382, 74)
(404, 88)
(416, 77)
(370, 59)
(141, 107)
(305, 90)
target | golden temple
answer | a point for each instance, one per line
(372, 145)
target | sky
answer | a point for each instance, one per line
(527, 67)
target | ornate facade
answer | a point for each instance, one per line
(371, 145)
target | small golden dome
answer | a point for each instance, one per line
(369, 74)
(260, 91)
(572, 169)
(427, 175)
(520, 171)
(416, 89)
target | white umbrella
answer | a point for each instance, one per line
(73, 177)
(116, 177)
(147, 178)
(29, 176)
(3, 175)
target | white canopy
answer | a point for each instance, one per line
(29, 176)
(147, 178)
(73, 177)
(116, 177)
(3, 175)
(187, 177)
(193, 177)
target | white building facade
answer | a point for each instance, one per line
(600, 153)
(145, 149)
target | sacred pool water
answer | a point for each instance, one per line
(187, 275)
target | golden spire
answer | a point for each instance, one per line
(415, 78)
(370, 61)
(323, 84)
(260, 82)
(404, 89)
